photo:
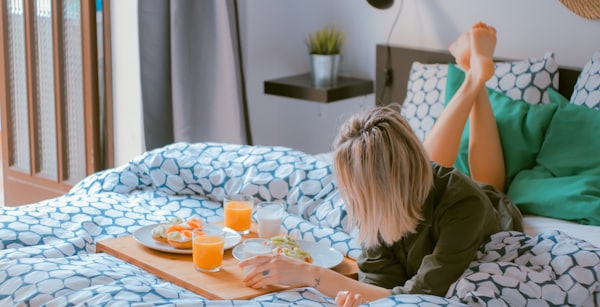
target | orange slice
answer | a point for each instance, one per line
(177, 227)
(195, 222)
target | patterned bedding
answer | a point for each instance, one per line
(47, 249)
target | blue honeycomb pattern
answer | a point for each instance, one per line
(425, 96)
(47, 249)
(587, 88)
(527, 80)
(513, 269)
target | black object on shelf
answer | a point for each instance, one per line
(301, 87)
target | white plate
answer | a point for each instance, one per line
(322, 254)
(144, 236)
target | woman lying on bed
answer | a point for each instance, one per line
(420, 222)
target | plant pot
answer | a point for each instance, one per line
(325, 69)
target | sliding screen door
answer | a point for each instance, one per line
(50, 96)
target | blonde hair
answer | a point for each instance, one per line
(384, 174)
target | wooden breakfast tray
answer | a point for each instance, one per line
(178, 269)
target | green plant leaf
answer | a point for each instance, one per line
(327, 40)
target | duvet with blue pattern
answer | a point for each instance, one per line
(47, 249)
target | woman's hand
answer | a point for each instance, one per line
(349, 299)
(265, 270)
(277, 270)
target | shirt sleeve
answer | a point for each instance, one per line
(379, 266)
(461, 229)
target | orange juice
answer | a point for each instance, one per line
(238, 213)
(207, 252)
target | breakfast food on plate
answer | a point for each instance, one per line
(177, 232)
(286, 245)
(180, 235)
(285, 240)
(180, 238)
(296, 252)
(159, 233)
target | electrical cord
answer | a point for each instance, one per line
(388, 72)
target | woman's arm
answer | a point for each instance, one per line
(283, 270)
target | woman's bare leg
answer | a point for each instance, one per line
(486, 159)
(473, 52)
(443, 141)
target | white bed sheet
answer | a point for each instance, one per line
(534, 225)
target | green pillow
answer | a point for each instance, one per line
(574, 198)
(565, 183)
(521, 126)
(572, 143)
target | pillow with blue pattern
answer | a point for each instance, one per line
(527, 80)
(587, 88)
(424, 96)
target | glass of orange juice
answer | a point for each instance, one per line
(207, 247)
(238, 212)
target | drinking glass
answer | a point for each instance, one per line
(238, 212)
(207, 247)
(254, 247)
(268, 216)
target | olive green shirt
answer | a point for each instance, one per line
(458, 215)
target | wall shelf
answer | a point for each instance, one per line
(300, 86)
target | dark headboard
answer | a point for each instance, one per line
(394, 62)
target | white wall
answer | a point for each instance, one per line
(127, 95)
(273, 41)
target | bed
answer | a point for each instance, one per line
(48, 249)
(394, 84)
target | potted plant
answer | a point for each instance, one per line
(325, 46)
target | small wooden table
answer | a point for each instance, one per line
(178, 269)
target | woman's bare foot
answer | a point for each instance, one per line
(482, 40)
(461, 50)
